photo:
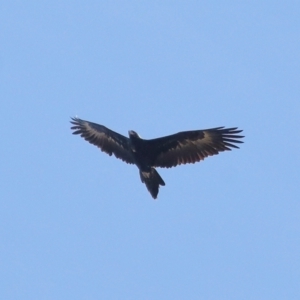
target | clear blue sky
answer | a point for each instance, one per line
(78, 224)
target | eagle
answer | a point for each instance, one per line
(164, 152)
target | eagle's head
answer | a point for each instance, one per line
(133, 134)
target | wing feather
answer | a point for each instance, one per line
(192, 146)
(107, 140)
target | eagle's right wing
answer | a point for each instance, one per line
(107, 140)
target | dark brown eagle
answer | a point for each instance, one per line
(165, 152)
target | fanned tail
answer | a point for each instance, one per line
(152, 180)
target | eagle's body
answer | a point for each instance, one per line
(165, 152)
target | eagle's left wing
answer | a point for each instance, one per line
(191, 146)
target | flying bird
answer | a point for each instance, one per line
(164, 152)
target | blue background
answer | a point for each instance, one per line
(78, 224)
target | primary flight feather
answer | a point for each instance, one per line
(165, 152)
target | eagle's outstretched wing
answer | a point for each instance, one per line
(107, 140)
(191, 146)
